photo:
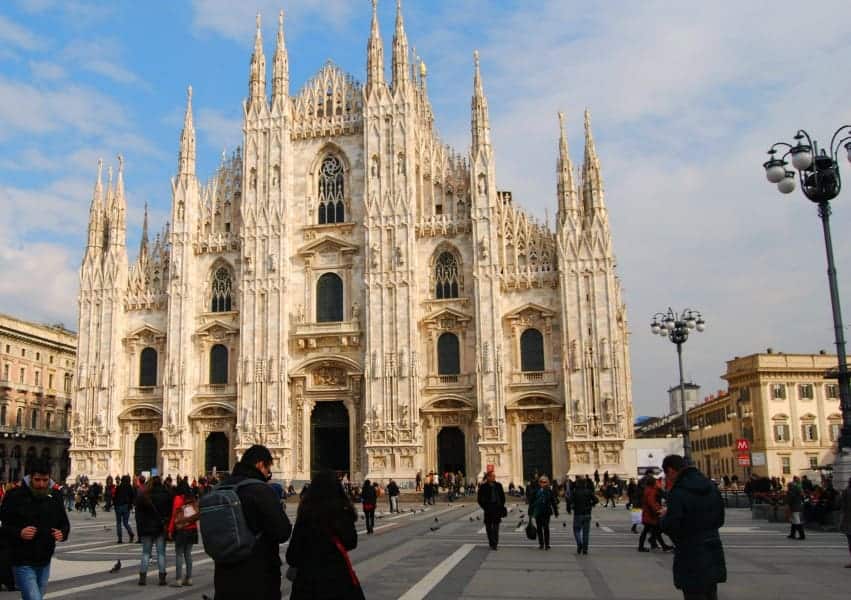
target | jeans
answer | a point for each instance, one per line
(581, 531)
(369, 517)
(122, 516)
(31, 581)
(542, 524)
(183, 553)
(147, 545)
(492, 529)
(394, 503)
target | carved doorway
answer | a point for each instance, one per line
(216, 453)
(537, 452)
(329, 435)
(144, 453)
(451, 455)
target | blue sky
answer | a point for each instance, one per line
(685, 99)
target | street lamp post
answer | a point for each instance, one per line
(676, 327)
(818, 172)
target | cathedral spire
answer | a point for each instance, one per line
(480, 123)
(143, 244)
(186, 154)
(567, 203)
(400, 50)
(117, 208)
(257, 71)
(95, 241)
(374, 54)
(592, 181)
(281, 66)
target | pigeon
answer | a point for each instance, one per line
(436, 519)
(433, 528)
(596, 523)
(564, 524)
(116, 567)
(478, 518)
(471, 519)
(105, 528)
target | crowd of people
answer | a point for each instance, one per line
(244, 520)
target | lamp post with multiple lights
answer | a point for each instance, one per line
(676, 327)
(818, 172)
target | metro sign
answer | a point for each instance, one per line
(743, 445)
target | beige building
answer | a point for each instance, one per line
(356, 295)
(787, 408)
(715, 427)
(36, 383)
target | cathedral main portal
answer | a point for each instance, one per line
(329, 434)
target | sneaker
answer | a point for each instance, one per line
(188, 581)
(584, 550)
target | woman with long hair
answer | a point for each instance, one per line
(153, 509)
(183, 529)
(324, 533)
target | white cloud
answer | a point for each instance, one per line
(42, 69)
(217, 129)
(17, 36)
(102, 56)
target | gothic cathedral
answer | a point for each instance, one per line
(355, 295)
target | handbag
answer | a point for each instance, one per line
(531, 530)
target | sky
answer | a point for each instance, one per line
(685, 100)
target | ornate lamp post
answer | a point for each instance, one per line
(676, 327)
(818, 172)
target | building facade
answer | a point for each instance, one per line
(715, 428)
(37, 365)
(788, 409)
(356, 295)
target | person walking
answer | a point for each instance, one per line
(419, 481)
(582, 501)
(33, 520)
(795, 508)
(368, 499)
(491, 497)
(94, 497)
(183, 529)
(108, 492)
(845, 516)
(261, 512)
(651, 507)
(692, 518)
(393, 496)
(153, 509)
(544, 505)
(323, 535)
(125, 495)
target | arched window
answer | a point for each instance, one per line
(446, 276)
(218, 365)
(331, 191)
(148, 368)
(222, 290)
(329, 298)
(448, 358)
(531, 350)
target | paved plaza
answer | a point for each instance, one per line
(442, 553)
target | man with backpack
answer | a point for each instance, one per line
(242, 525)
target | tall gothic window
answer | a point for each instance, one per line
(222, 290)
(329, 298)
(148, 368)
(448, 357)
(531, 350)
(218, 365)
(446, 276)
(331, 209)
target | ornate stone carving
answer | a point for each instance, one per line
(328, 376)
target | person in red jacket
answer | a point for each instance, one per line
(651, 506)
(183, 529)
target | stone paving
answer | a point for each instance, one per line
(413, 556)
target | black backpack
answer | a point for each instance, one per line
(224, 530)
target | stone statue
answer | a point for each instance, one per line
(373, 256)
(355, 311)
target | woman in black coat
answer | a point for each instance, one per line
(369, 499)
(324, 533)
(153, 511)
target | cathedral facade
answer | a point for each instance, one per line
(354, 294)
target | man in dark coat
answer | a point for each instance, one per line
(33, 519)
(692, 517)
(260, 575)
(491, 498)
(582, 501)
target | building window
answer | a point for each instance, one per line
(781, 432)
(218, 365)
(531, 350)
(148, 368)
(6, 372)
(448, 355)
(67, 384)
(778, 391)
(786, 465)
(809, 432)
(331, 209)
(329, 298)
(23, 352)
(48, 421)
(37, 376)
(813, 461)
(222, 290)
(8, 349)
(831, 390)
(50, 381)
(23, 375)
(34, 419)
(51, 359)
(19, 418)
(3, 416)
(805, 391)
(446, 276)
(38, 355)
(834, 429)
